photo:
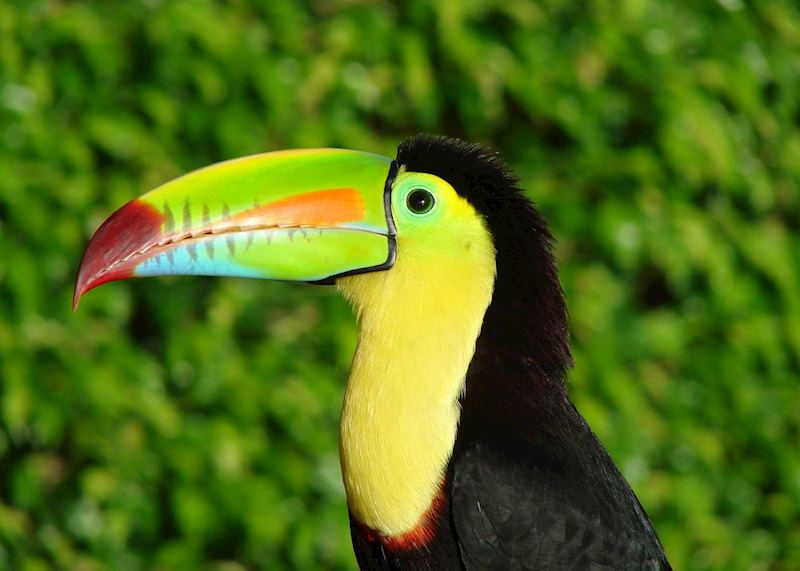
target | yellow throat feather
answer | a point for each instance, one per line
(419, 322)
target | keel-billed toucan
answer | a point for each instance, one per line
(459, 446)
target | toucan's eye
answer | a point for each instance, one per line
(419, 201)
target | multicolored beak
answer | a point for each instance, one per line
(306, 215)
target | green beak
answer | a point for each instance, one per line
(306, 215)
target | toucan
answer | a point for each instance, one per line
(459, 445)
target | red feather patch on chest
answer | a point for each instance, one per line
(420, 536)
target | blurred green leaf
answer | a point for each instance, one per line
(192, 423)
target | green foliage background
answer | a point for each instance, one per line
(191, 423)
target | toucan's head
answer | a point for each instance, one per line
(444, 214)
(315, 215)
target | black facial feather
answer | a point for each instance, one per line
(527, 318)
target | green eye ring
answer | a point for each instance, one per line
(420, 201)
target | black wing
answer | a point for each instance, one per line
(514, 515)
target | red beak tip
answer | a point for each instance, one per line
(81, 287)
(76, 299)
(127, 230)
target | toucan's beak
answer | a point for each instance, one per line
(306, 215)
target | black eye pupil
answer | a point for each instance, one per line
(419, 201)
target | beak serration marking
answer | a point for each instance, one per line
(169, 219)
(187, 217)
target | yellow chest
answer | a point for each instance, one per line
(401, 411)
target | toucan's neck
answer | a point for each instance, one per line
(516, 380)
(527, 319)
(420, 322)
(418, 327)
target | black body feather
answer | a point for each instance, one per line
(529, 485)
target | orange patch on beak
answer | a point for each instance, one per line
(313, 209)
